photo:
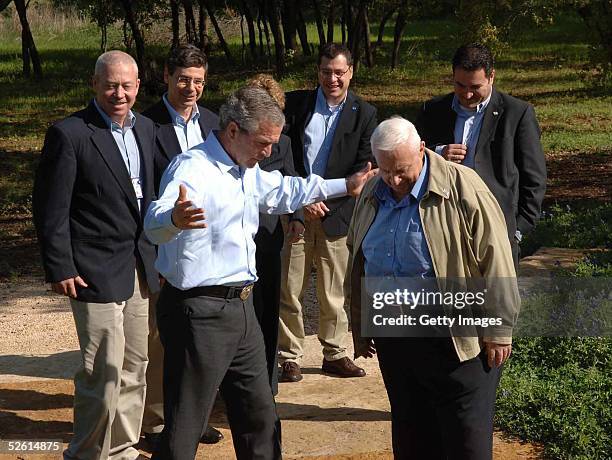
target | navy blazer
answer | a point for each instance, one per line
(270, 236)
(86, 211)
(509, 156)
(350, 149)
(166, 141)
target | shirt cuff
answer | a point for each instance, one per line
(335, 187)
(439, 149)
(167, 223)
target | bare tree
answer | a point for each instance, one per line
(28, 47)
(330, 21)
(176, 26)
(383, 23)
(273, 12)
(319, 21)
(213, 20)
(400, 26)
(190, 24)
(301, 28)
(248, 16)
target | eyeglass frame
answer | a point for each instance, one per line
(326, 73)
(184, 81)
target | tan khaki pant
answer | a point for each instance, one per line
(331, 258)
(153, 418)
(110, 386)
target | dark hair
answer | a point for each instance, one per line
(474, 56)
(333, 50)
(186, 56)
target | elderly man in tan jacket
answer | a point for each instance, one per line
(425, 218)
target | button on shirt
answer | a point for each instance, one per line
(128, 147)
(395, 245)
(319, 134)
(467, 127)
(188, 133)
(232, 197)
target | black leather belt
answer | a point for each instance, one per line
(224, 292)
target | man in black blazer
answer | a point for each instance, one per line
(181, 125)
(330, 130)
(495, 134)
(92, 188)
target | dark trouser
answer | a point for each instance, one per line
(212, 343)
(266, 300)
(440, 408)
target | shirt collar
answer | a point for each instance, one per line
(458, 108)
(217, 154)
(113, 125)
(174, 115)
(383, 191)
(323, 107)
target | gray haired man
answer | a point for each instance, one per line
(205, 314)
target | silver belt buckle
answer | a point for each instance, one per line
(246, 292)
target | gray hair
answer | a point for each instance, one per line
(113, 57)
(249, 106)
(393, 132)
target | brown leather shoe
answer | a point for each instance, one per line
(290, 372)
(342, 367)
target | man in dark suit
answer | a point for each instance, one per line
(181, 125)
(92, 188)
(330, 130)
(495, 134)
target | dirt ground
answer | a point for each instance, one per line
(322, 417)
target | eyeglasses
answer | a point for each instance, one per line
(184, 82)
(326, 73)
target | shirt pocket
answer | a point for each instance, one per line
(413, 250)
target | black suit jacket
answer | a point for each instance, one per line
(269, 237)
(349, 153)
(85, 208)
(509, 156)
(166, 141)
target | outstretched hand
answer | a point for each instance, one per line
(184, 215)
(355, 182)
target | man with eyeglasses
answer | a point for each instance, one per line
(330, 130)
(181, 125)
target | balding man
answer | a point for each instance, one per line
(94, 182)
(206, 319)
(424, 218)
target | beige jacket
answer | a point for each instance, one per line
(466, 234)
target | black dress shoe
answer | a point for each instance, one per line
(211, 436)
(152, 440)
(342, 367)
(290, 372)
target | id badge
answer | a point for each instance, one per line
(137, 187)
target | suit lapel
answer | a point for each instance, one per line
(492, 115)
(104, 142)
(205, 125)
(146, 157)
(449, 118)
(346, 124)
(168, 140)
(309, 109)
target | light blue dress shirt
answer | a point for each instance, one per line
(395, 245)
(188, 132)
(467, 127)
(126, 142)
(319, 134)
(232, 198)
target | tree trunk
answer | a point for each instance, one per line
(190, 27)
(400, 25)
(213, 19)
(302, 32)
(103, 37)
(203, 29)
(381, 27)
(130, 17)
(248, 15)
(176, 26)
(289, 22)
(28, 47)
(347, 11)
(357, 29)
(368, 44)
(274, 18)
(319, 21)
(330, 21)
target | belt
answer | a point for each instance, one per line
(224, 292)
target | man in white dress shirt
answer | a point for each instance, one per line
(205, 313)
